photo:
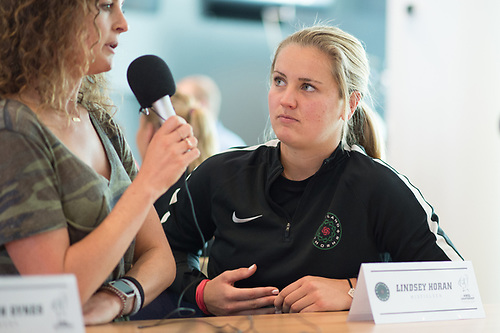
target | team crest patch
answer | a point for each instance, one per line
(329, 233)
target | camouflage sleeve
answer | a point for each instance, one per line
(29, 198)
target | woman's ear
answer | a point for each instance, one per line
(354, 100)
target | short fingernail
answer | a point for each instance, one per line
(277, 311)
(251, 267)
(275, 292)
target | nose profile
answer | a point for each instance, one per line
(288, 98)
(121, 24)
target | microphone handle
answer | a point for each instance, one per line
(163, 108)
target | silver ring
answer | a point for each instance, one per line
(190, 145)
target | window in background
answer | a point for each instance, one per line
(150, 6)
(254, 9)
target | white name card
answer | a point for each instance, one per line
(48, 303)
(417, 291)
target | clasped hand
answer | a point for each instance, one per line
(308, 294)
(313, 294)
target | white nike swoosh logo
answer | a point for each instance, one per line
(238, 220)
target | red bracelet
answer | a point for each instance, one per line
(199, 296)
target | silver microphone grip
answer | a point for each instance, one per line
(164, 107)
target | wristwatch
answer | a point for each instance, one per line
(122, 290)
(351, 291)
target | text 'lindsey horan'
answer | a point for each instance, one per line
(433, 286)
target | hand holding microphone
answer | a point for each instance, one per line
(173, 146)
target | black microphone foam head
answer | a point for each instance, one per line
(150, 79)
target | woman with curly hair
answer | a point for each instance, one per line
(71, 198)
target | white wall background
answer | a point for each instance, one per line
(443, 112)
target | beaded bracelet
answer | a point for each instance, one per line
(116, 292)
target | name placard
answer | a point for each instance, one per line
(48, 303)
(416, 291)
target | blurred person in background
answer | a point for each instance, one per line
(203, 129)
(206, 92)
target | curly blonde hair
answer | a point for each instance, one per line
(40, 43)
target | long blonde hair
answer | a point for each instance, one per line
(351, 71)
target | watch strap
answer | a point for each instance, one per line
(351, 290)
(138, 292)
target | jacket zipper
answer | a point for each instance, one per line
(287, 231)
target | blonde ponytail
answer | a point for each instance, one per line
(364, 129)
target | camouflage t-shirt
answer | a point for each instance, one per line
(44, 186)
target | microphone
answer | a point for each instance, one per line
(152, 84)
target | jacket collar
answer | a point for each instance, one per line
(339, 154)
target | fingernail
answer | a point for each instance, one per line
(277, 311)
(251, 267)
(275, 292)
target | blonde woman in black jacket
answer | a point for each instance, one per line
(293, 219)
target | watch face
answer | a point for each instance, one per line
(122, 286)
